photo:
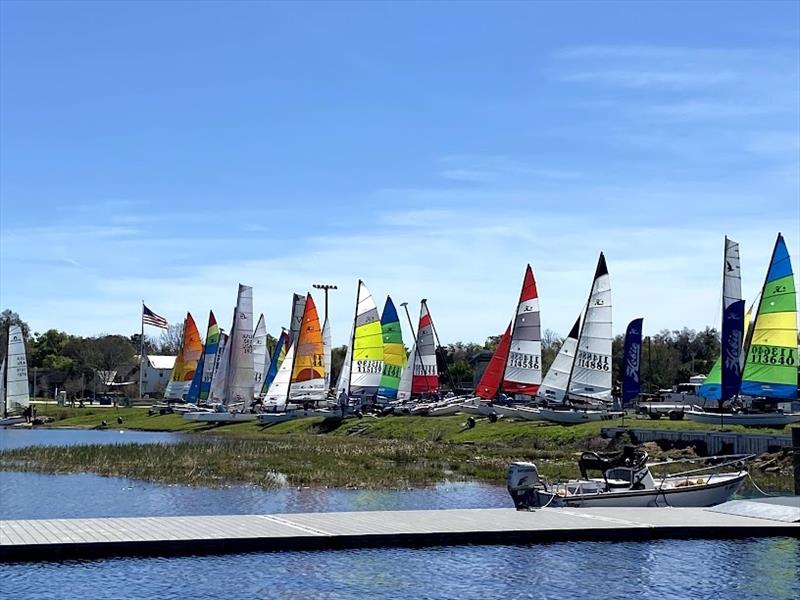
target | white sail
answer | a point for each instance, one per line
(366, 368)
(343, 381)
(326, 340)
(523, 371)
(591, 371)
(240, 374)
(17, 391)
(404, 387)
(219, 377)
(279, 390)
(298, 308)
(259, 355)
(554, 386)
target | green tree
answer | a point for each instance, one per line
(7, 318)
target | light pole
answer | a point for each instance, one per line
(326, 287)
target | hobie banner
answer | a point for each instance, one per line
(632, 355)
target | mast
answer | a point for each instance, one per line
(416, 345)
(353, 337)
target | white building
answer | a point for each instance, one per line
(157, 369)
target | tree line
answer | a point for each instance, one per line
(73, 362)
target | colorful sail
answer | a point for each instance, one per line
(406, 377)
(367, 361)
(194, 387)
(631, 360)
(260, 355)
(239, 391)
(17, 396)
(493, 375)
(554, 385)
(219, 377)
(209, 357)
(295, 321)
(591, 371)
(308, 372)
(278, 356)
(186, 362)
(326, 344)
(523, 370)
(426, 371)
(394, 353)
(732, 332)
(771, 363)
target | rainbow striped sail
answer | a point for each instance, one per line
(394, 353)
(209, 356)
(366, 367)
(770, 368)
(186, 362)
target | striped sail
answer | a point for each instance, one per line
(523, 369)
(326, 343)
(493, 375)
(591, 371)
(366, 367)
(219, 377)
(279, 354)
(260, 355)
(404, 385)
(426, 371)
(279, 388)
(295, 321)
(186, 362)
(308, 372)
(394, 353)
(554, 386)
(17, 391)
(770, 368)
(209, 356)
(239, 392)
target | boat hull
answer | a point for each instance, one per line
(772, 419)
(213, 417)
(572, 417)
(681, 497)
(279, 417)
(529, 414)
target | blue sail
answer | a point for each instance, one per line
(632, 353)
(194, 388)
(731, 350)
(277, 358)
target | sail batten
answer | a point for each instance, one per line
(523, 369)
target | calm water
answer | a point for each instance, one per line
(663, 569)
(18, 438)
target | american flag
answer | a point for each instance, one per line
(151, 318)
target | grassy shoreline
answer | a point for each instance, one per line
(377, 453)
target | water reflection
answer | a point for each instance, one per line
(11, 438)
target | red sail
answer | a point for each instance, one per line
(493, 375)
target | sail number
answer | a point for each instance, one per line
(595, 362)
(392, 370)
(426, 370)
(773, 355)
(518, 360)
(369, 366)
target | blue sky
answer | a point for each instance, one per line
(168, 151)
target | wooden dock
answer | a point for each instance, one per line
(59, 539)
(715, 442)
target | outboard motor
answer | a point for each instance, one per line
(523, 484)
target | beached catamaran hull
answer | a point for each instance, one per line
(768, 419)
(571, 417)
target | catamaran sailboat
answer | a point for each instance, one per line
(589, 378)
(770, 358)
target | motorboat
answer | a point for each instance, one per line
(626, 480)
(775, 418)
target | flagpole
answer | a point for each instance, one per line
(141, 353)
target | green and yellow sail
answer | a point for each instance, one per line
(394, 353)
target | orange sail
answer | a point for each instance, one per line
(493, 375)
(308, 373)
(186, 361)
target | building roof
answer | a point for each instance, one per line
(160, 361)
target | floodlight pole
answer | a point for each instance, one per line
(325, 287)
